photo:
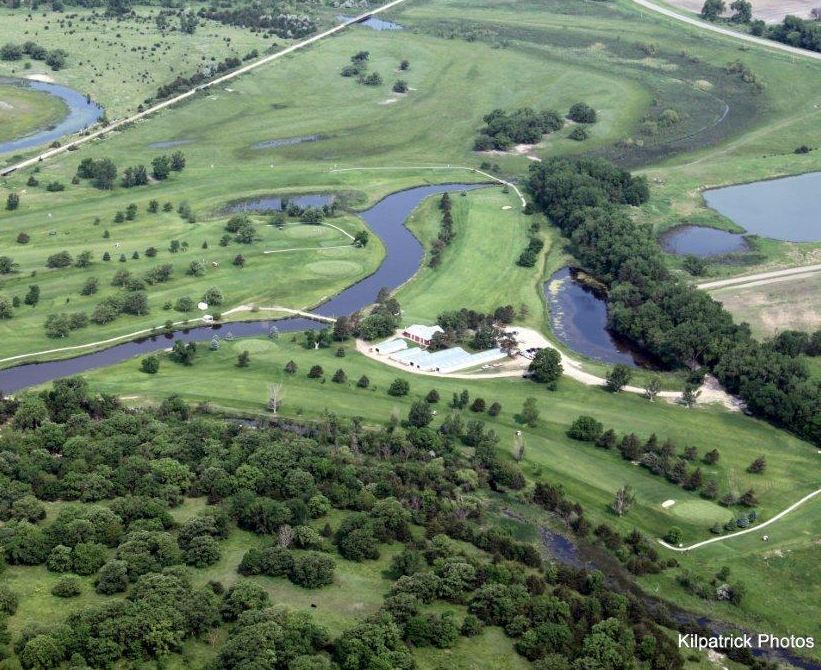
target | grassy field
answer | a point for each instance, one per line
(120, 62)
(772, 308)
(487, 236)
(23, 111)
(315, 261)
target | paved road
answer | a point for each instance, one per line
(752, 529)
(100, 134)
(706, 25)
(763, 277)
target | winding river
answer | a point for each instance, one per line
(403, 254)
(81, 113)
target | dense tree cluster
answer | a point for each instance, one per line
(675, 322)
(54, 58)
(524, 126)
(446, 233)
(260, 18)
(182, 84)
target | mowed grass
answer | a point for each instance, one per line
(478, 269)
(23, 111)
(311, 263)
(120, 62)
(780, 575)
(300, 95)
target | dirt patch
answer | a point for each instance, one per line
(48, 79)
(772, 11)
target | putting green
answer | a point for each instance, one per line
(334, 268)
(253, 346)
(700, 512)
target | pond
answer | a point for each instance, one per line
(702, 241)
(81, 114)
(578, 317)
(274, 203)
(373, 23)
(786, 209)
(286, 142)
(403, 254)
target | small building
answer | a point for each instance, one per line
(421, 334)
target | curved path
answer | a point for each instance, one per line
(100, 134)
(752, 529)
(493, 178)
(759, 278)
(705, 25)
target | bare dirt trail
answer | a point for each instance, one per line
(103, 132)
(762, 278)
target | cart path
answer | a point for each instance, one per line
(752, 529)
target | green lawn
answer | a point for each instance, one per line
(478, 269)
(23, 111)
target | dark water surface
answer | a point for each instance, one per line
(786, 209)
(702, 241)
(403, 254)
(578, 317)
(274, 204)
(81, 114)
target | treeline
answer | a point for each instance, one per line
(673, 321)
(796, 32)
(260, 18)
(446, 234)
(102, 172)
(130, 469)
(487, 328)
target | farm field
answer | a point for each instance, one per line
(772, 308)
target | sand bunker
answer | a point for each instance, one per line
(668, 503)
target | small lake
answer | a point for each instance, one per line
(274, 204)
(578, 317)
(81, 114)
(286, 142)
(386, 219)
(702, 241)
(786, 209)
(373, 23)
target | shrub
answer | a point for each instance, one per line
(582, 113)
(315, 372)
(312, 570)
(68, 586)
(150, 364)
(585, 429)
(399, 387)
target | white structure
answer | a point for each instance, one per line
(421, 334)
(447, 360)
(390, 346)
